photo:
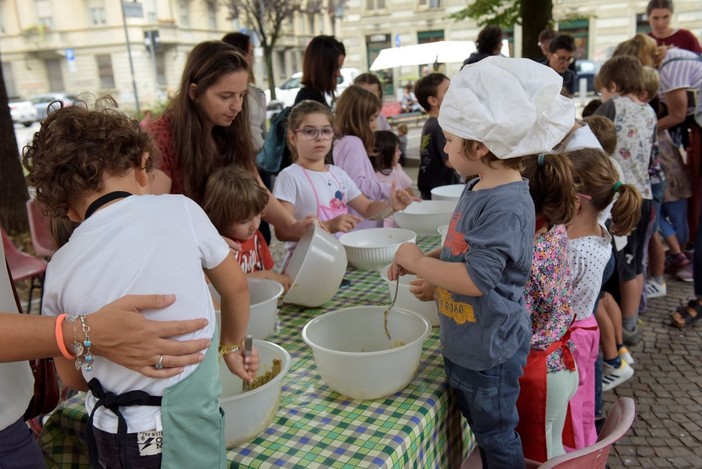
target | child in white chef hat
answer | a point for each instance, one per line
(495, 111)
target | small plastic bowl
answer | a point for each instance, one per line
(450, 192)
(372, 248)
(424, 217)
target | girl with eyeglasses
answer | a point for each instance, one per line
(310, 187)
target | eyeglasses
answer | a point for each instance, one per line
(312, 133)
(569, 60)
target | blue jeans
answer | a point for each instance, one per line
(488, 400)
(674, 221)
(19, 448)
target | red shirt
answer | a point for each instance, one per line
(254, 254)
(681, 38)
(161, 131)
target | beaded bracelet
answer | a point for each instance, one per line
(88, 357)
(59, 337)
(81, 349)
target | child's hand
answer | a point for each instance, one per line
(343, 223)
(244, 368)
(396, 271)
(283, 279)
(408, 255)
(422, 289)
(399, 198)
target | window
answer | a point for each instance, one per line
(642, 25)
(183, 11)
(97, 12)
(311, 18)
(2, 19)
(45, 13)
(9, 79)
(375, 4)
(107, 76)
(212, 15)
(430, 3)
(161, 69)
(579, 30)
(150, 11)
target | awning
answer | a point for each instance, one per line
(424, 54)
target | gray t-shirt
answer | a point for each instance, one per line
(492, 232)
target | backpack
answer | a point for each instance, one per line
(698, 92)
(275, 148)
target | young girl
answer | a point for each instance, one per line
(235, 201)
(550, 377)
(372, 83)
(387, 164)
(314, 188)
(589, 250)
(356, 112)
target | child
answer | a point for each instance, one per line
(550, 377)
(402, 132)
(589, 250)
(235, 202)
(371, 82)
(311, 187)
(86, 165)
(620, 83)
(356, 112)
(387, 164)
(480, 271)
(434, 166)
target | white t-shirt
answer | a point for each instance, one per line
(16, 379)
(143, 244)
(588, 257)
(334, 187)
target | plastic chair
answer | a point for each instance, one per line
(42, 241)
(595, 457)
(24, 266)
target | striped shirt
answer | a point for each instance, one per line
(680, 69)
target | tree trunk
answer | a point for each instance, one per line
(536, 16)
(13, 188)
(268, 57)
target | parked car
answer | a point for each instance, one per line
(41, 102)
(287, 92)
(23, 112)
(586, 69)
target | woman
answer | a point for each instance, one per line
(489, 43)
(206, 126)
(321, 68)
(659, 13)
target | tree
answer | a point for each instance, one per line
(533, 15)
(267, 18)
(13, 187)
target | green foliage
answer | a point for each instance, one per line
(502, 13)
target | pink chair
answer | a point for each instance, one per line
(42, 241)
(24, 266)
(595, 457)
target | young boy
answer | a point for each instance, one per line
(94, 167)
(620, 84)
(434, 166)
(235, 202)
(480, 271)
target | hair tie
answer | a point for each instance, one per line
(540, 159)
(616, 186)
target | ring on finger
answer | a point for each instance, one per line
(159, 363)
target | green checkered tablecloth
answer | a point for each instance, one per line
(420, 426)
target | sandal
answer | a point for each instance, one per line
(682, 318)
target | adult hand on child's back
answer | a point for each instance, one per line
(422, 289)
(121, 334)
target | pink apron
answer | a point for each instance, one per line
(327, 212)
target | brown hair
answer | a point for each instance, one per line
(299, 112)
(320, 63)
(386, 143)
(354, 109)
(369, 79)
(402, 129)
(75, 148)
(650, 82)
(624, 71)
(427, 86)
(659, 4)
(595, 176)
(199, 154)
(509, 163)
(643, 48)
(241, 42)
(605, 131)
(233, 195)
(551, 186)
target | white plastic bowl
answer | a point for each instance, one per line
(356, 359)
(450, 192)
(263, 297)
(316, 268)
(407, 300)
(443, 229)
(248, 414)
(424, 217)
(372, 248)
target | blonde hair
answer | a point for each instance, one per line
(643, 48)
(233, 195)
(298, 113)
(650, 81)
(354, 109)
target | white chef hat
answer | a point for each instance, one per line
(513, 106)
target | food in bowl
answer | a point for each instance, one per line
(247, 414)
(372, 248)
(356, 359)
(406, 299)
(423, 217)
(267, 376)
(316, 268)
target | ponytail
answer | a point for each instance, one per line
(551, 186)
(626, 210)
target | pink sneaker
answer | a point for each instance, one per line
(685, 274)
(675, 262)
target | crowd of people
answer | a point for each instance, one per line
(556, 242)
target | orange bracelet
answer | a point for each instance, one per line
(59, 337)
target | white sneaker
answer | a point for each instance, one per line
(613, 377)
(625, 355)
(654, 289)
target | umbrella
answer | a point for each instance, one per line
(422, 54)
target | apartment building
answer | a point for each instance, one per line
(81, 45)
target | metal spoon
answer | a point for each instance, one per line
(248, 345)
(387, 311)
